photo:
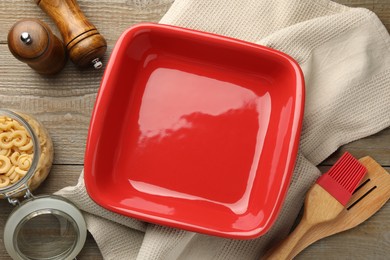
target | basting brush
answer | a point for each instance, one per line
(325, 200)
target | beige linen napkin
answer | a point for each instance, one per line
(345, 56)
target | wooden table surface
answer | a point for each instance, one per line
(64, 103)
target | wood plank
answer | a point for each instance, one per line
(111, 17)
(64, 105)
(73, 100)
(126, 13)
(19, 80)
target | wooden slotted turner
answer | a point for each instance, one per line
(367, 199)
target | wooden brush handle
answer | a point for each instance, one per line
(83, 41)
(320, 207)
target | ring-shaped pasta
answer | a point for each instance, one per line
(10, 171)
(20, 171)
(24, 161)
(15, 157)
(17, 178)
(16, 125)
(6, 140)
(13, 174)
(5, 164)
(19, 138)
(5, 152)
(27, 147)
(4, 181)
(7, 125)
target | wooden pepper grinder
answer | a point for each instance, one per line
(31, 41)
(84, 43)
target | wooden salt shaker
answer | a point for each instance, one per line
(31, 41)
(84, 43)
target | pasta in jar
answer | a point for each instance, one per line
(26, 153)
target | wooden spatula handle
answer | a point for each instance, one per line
(83, 41)
(286, 250)
(320, 207)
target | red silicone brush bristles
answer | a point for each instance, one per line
(343, 178)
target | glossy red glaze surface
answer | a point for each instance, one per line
(195, 131)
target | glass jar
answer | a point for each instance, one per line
(40, 227)
(26, 153)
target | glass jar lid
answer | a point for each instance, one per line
(45, 227)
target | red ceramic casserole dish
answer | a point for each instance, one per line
(195, 131)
